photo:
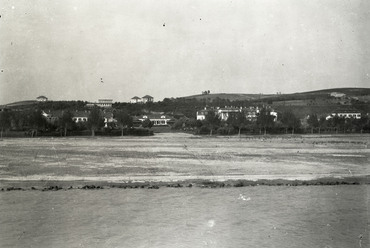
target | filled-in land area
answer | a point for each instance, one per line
(177, 159)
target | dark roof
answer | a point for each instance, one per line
(147, 96)
(157, 116)
(80, 114)
(41, 97)
(108, 115)
(136, 97)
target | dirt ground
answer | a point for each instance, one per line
(170, 157)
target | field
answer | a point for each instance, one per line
(36, 213)
(172, 157)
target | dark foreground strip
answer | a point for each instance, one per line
(62, 185)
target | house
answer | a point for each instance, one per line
(41, 99)
(224, 113)
(251, 113)
(103, 103)
(52, 117)
(337, 94)
(108, 118)
(158, 119)
(201, 114)
(345, 114)
(147, 98)
(135, 99)
(275, 114)
(80, 116)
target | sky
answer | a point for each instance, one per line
(117, 49)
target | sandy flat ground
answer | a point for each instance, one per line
(177, 157)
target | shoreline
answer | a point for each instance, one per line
(57, 185)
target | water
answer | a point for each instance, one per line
(263, 216)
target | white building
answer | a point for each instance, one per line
(345, 114)
(147, 98)
(41, 99)
(337, 94)
(157, 119)
(136, 99)
(224, 113)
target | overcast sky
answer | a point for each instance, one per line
(172, 48)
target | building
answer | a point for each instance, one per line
(337, 94)
(80, 116)
(147, 98)
(135, 99)
(158, 119)
(201, 114)
(224, 113)
(103, 103)
(41, 99)
(251, 113)
(345, 114)
(52, 117)
(108, 118)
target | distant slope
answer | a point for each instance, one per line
(21, 103)
(353, 92)
(229, 96)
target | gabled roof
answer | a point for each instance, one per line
(108, 115)
(157, 116)
(42, 97)
(80, 114)
(147, 96)
(136, 97)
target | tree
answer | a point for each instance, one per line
(95, 120)
(265, 119)
(147, 123)
(66, 121)
(337, 122)
(36, 121)
(212, 120)
(124, 120)
(237, 120)
(4, 121)
(313, 122)
(290, 121)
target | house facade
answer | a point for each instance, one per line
(158, 119)
(147, 98)
(345, 114)
(143, 99)
(201, 114)
(103, 103)
(135, 99)
(80, 116)
(224, 113)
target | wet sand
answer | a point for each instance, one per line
(183, 159)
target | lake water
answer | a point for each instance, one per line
(262, 216)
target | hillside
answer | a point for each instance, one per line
(228, 96)
(301, 103)
(351, 92)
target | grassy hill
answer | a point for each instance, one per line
(229, 96)
(351, 92)
(301, 103)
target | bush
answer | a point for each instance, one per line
(204, 130)
(225, 131)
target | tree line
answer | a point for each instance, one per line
(285, 123)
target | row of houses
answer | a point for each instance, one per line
(251, 113)
(157, 119)
(143, 99)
